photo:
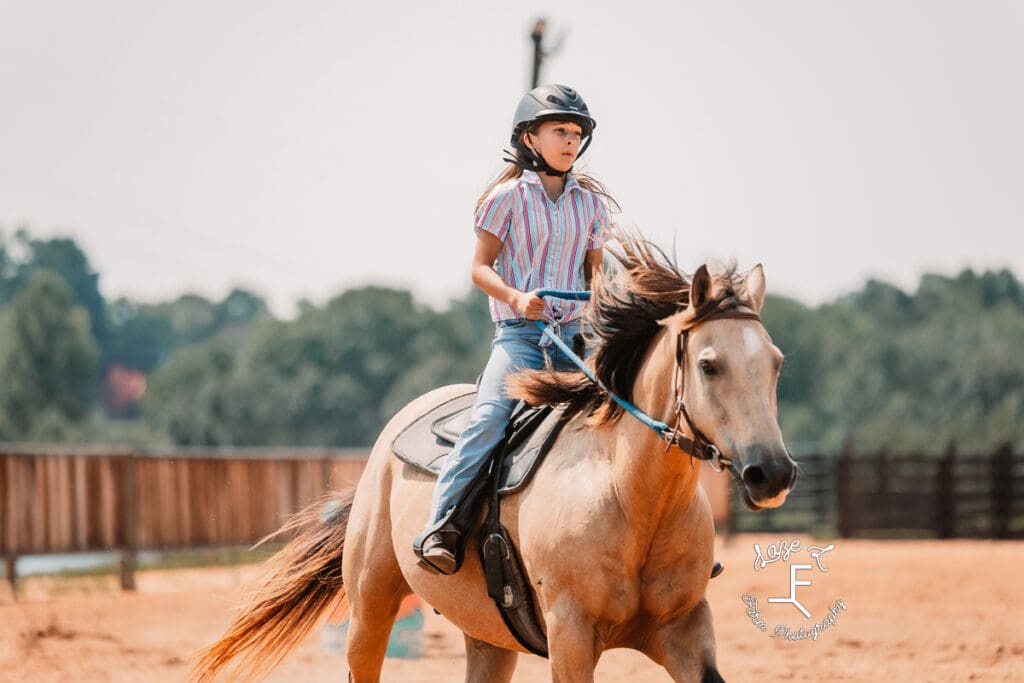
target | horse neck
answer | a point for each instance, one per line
(650, 482)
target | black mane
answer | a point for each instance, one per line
(624, 317)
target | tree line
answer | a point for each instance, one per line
(894, 370)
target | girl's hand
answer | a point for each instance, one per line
(530, 305)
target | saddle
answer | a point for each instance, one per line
(531, 433)
(425, 443)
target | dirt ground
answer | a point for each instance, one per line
(915, 611)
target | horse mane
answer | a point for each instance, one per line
(625, 314)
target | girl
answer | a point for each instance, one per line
(538, 226)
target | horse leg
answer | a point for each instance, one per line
(370, 622)
(373, 583)
(686, 646)
(371, 616)
(486, 663)
(572, 645)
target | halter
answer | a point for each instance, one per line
(699, 446)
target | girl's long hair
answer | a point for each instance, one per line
(587, 182)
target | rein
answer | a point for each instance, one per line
(699, 446)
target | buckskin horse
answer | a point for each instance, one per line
(615, 531)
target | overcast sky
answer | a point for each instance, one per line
(302, 148)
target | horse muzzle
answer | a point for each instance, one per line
(767, 476)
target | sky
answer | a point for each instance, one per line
(302, 148)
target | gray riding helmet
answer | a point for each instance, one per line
(552, 102)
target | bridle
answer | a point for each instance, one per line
(698, 446)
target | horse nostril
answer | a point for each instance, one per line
(753, 475)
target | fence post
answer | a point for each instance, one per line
(9, 501)
(945, 494)
(883, 471)
(11, 564)
(1002, 490)
(129, 511)
(821, 500)
(844, 490)
(326, 470)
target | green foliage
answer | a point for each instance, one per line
(905, 372)
(21, 259)
(185, 399)
(883, 367)
(888, 369)
(332, 377)
(143, 336)
(48, 360)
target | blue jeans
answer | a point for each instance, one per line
(516, 345)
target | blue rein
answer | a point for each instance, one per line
(663, 430)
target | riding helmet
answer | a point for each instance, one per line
(552, 102)
(549, 102)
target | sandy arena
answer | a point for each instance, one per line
(915, 611)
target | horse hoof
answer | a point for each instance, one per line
(711, 675)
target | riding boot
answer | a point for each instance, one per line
(439, 550)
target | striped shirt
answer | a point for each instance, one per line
(544, 242)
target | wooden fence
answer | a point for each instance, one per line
(69, 502)
(80, 501)
(905, 496)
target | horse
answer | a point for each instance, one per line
(615, 531)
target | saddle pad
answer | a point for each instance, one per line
(425, 442)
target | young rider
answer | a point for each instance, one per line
(538, 226)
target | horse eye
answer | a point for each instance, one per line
(707, 367)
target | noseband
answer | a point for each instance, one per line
(699, 446)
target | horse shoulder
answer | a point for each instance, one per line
(570, 525)
(678, 567)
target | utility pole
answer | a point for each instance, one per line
(542, 50)
(538, 51)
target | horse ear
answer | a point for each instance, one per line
(700, 288)
(755, 288)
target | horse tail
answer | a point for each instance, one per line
(304, 579)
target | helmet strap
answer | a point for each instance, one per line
(530, 160)
(583, 147)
